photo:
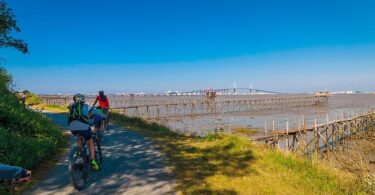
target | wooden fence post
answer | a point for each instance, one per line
(287, 134)
(316, 136)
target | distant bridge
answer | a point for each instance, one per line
(227, 91)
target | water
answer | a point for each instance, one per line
(339, 107)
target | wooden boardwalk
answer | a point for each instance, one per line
(320, 137)
(218, 106)
(156, 107)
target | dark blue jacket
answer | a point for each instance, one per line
(8, 172)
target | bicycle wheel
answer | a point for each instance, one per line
(98, 153)
(99, 135)
(78, 167)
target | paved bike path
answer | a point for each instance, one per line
(132, 165)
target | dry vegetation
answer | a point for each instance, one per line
(356, 156)
(51, 108)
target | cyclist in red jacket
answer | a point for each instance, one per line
(103, 102)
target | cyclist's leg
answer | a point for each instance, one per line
(105, 111)
(87, 135)
(106, 120)
(94, 164)
(79, 144)
(90, 142)
(102, 123)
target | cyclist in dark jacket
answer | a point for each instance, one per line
(8, 172)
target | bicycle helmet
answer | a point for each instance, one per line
(79, 98)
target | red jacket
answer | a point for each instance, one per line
(103, 103)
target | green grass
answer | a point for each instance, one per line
(229, 164)
(245, 131)
(43, 168)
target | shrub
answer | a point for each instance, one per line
(26, 137)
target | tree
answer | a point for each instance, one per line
(8, 24)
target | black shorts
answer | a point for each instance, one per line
(86, 133)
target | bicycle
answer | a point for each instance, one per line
(98, 131)
(79, 162)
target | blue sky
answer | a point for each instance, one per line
(152, 46)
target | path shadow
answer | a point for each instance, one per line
(132, 165)
(194, 165)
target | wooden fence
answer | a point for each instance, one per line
(320, 137)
